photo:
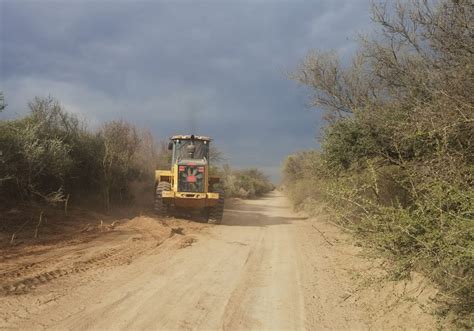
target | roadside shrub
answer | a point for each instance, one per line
(49, 155)
(397, 154)
(36, 152)
(433, 235)
(120, 141)
(304, 178)
(348, 144)
(245, 183)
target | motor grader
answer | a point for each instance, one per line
(188, 187)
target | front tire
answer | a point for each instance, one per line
(161, 208)
(216, 212)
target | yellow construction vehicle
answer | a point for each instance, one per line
(188, 185)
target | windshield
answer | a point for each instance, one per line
(181, 150)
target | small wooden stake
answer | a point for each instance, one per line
(19, 229)
(38, 225)
(66, 204)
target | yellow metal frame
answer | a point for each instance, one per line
(186, 199)
(169, 176)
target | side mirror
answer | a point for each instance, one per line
(170, 146)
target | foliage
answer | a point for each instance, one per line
(247, 183)
(397, 155)
(35, 151)
(242, 183)
(120, 142)
(304, 178)
(50, 155)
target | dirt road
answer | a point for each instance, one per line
(265, 267)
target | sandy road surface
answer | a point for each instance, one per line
(265, 267)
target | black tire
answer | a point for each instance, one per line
(161, 208)
(215, 214)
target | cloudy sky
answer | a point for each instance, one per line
(216, 68)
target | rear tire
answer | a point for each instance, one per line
(161, 208)
(216, 213)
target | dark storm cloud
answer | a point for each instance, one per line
(217, 67)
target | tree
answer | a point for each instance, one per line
(398, 148)
(120, 143)
(410, 85)
(36, 151)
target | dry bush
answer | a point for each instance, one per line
(49, 155)
(397, 154)
(244, 183)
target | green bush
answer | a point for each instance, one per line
(245, 183)
(49, 155)
(36, 152)
(347, 143)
